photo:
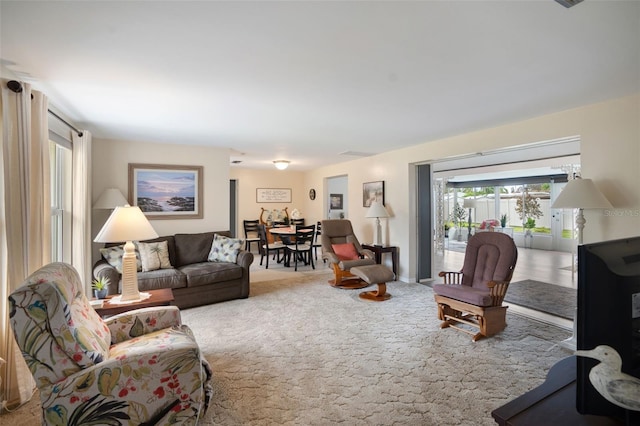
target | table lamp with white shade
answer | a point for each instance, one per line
(377, 210)
(110, 199)
(581, 194)
(127, 223)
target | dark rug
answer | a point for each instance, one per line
(543, 297)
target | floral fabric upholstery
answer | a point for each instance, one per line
(139, 366)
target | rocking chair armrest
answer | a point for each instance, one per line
(498, 291)
(451, 277)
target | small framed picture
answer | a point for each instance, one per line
(372, 191)
(335, 201)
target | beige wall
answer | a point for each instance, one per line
(610, 134)
(110, 168)
(248, 180)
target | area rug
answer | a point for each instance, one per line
(543, 297)
(300, 352)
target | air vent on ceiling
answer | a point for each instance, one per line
(356, 154)
(569, 3)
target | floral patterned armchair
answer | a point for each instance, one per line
(139, 367)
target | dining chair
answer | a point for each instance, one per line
(251, 233)
(297, 222)
(266, 248)
(316, 242)
(301, 247)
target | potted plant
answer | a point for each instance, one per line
(503, 220)
(447, 226)
(529, 225)
(459, 215)
(99, 286)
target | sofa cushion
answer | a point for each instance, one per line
(170, 243)
(154, 256)
(205, 273)
(192, 248)
(224, 249)
(161, 278)
(113, 256)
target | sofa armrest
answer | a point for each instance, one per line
(102, 269)
(138, 322)
(245, 259)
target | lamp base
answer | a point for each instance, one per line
(117, 300)
(378, 232)
(129, 274)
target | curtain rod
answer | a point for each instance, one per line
(16, 87)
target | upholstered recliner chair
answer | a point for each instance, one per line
(474, 295)
(341, 248)
(139, 367)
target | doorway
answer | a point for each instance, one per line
(336, 205)
(529, 164)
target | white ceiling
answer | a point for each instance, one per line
(306, 80)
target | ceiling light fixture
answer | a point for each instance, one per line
(568, 3)
(281, 164)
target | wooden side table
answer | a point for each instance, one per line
(378, 250)
(161, 297)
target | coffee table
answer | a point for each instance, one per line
(161, 297)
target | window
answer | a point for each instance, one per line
(61, 191)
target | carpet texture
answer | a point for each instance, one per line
(299, 352)
(543, 297)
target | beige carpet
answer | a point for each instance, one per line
(299, 352)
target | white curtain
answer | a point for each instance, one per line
(81, 208)
(25, 218)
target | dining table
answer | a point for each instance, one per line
(284, 233)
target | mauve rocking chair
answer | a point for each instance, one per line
(474, 295)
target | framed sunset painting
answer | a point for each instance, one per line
(166, 191)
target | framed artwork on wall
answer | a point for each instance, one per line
(372, 191)
(336, 201)
(165, 191)
(273, 195)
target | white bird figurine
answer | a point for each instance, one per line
(615, 386)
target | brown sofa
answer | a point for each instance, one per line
(193, 280)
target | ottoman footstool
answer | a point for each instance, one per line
(374, 274)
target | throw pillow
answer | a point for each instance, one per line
(224, 249)
(346, 251)
(113, 256)
(154, 256)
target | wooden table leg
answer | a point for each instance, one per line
(379, 295)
